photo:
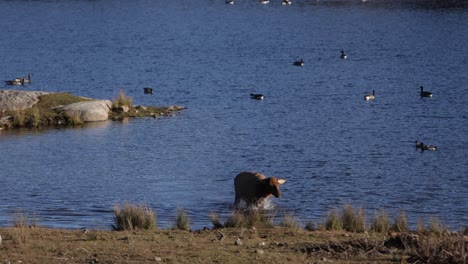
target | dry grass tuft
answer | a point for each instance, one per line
(182, 219)
(249, 218)
(401, 223)
(23, 225)
(122, 100)
(350, 219)
(380, 222)
(289, 221)
(134, 217)
(215, 220)
(333, 221)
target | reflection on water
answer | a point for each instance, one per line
(313, 128)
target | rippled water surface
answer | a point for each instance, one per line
(314, 129)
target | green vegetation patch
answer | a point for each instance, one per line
(48, 101)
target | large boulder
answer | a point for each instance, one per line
(18, 100)
(89, 111)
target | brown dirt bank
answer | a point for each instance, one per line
(228, 245)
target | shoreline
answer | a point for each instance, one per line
(225, 245)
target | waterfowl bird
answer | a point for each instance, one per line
(343, 55)
(424, 93)
(370, 96)
(419, 144)
(264, 1)
(230, 2)
(286, 2)
(16, 81)
(429, 147)
(257, 96)
(26, 80)
(148, 90)
(299, 63)
(422, 146)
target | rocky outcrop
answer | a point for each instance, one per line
(89, 111)
(18, 100)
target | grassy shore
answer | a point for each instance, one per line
(233, 245)
(245, 237)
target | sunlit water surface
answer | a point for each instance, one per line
(313, 129)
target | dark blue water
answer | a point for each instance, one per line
(314, 129)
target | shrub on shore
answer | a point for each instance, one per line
(133, 217)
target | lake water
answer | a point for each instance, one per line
(313, 129)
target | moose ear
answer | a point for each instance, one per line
(281, 181)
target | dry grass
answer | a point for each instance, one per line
(350, 219)
(289, 221)
(215, 220)
(248, 219)
(122, 100)
(182, 220)
(19, 118)
(333, 221)
(134, 217)
(272, 245)
(400, 223)
(380, 222)
(74, 118)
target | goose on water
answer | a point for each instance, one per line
(343, 55)
(370, 96)
(257, 96)
(424, 93)
(19, 81)
(16, 81)
(299, 63)
(27, 80)
(148, 90)
(422, 146)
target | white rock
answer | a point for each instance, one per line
(90, 111)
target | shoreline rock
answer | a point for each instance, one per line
(11, 100)
(89, 111)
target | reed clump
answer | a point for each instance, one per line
(289, 221)
(74, 118)
(134, 217)
(349, 219)
(24, 222)
(215, 220)
(400, 223)
(182, 220)
(249, 218)
(380, 222)
(122, 100)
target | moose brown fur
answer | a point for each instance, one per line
(254, 187)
